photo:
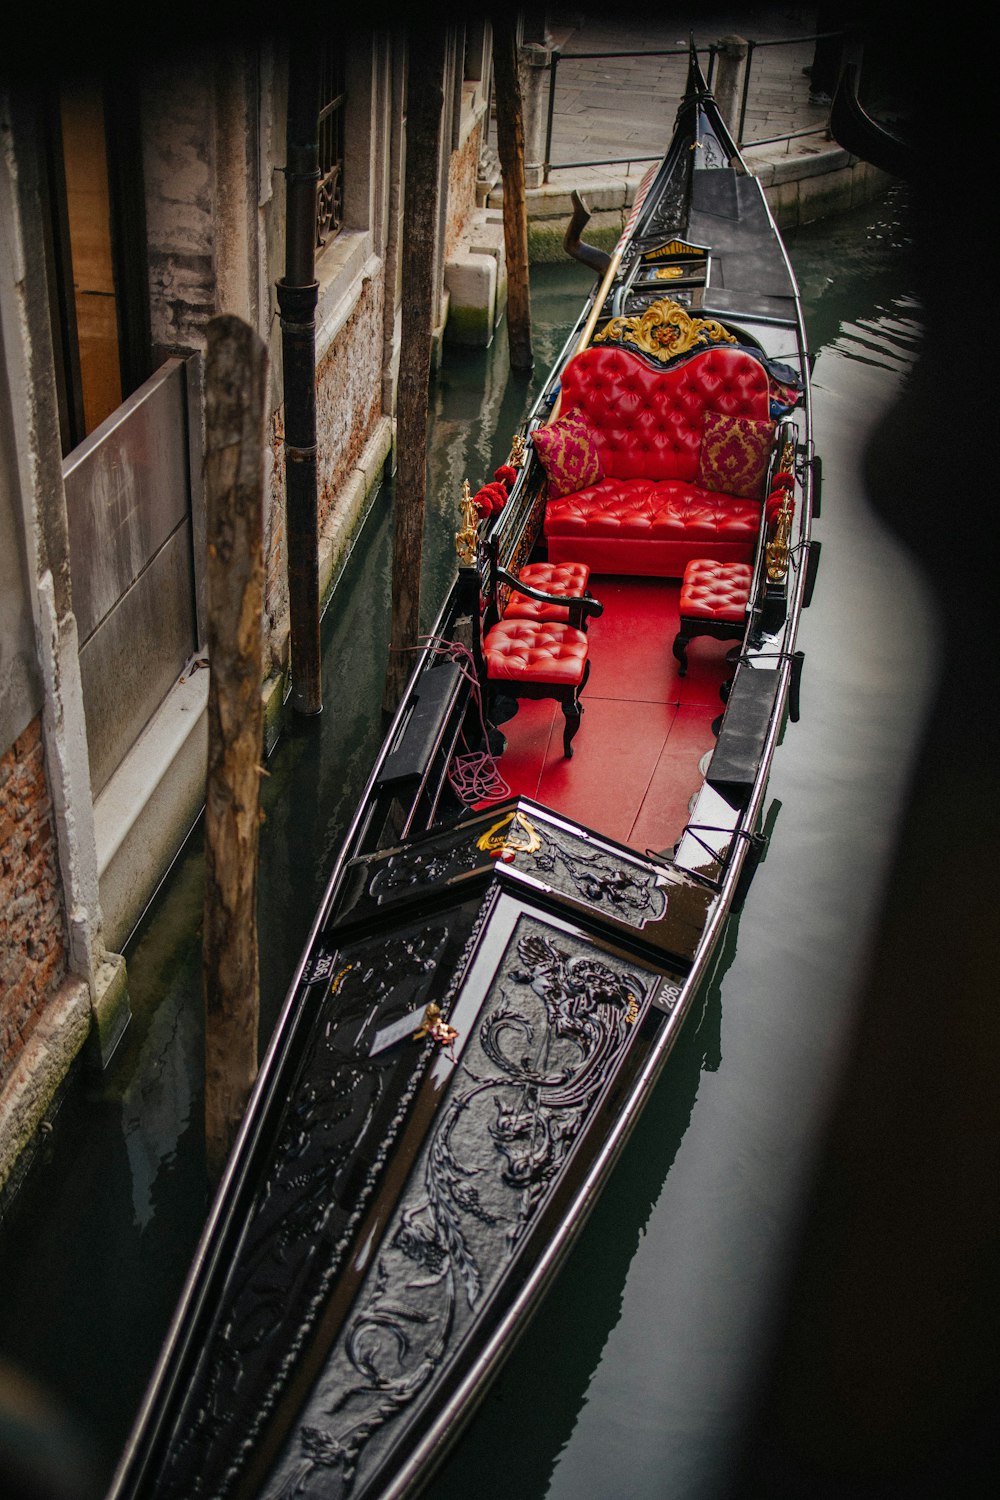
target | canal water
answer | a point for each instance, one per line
(637, 1372)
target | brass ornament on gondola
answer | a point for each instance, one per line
(777, 553)
(516, 455)
(676, 247)
(466, 537)
(664, 330)
(778, 550)
(514, 833)
(435, 1027)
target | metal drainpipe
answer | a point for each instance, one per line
(297, 297)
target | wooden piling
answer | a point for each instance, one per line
(426, 53)
(235, 395)
(510, 148)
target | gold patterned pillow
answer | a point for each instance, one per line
(734, 453)
(568, 452)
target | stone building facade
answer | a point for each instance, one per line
(136, 207)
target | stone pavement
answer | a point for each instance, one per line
(608, 108)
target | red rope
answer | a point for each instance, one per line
(474, 776)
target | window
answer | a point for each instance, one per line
(330, 194)
(95, 251)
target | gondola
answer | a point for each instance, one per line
(531, 891)
(854, 128)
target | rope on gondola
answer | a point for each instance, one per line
(474, 775)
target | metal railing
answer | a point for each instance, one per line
(712, 50)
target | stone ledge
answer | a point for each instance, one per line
(342, 270)
(475, 278)
(553, 200)
(148, 807)
(772, 171)
(110, 1007)
(30, 1094)
(342, 526)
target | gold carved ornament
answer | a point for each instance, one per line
(516, 455)
(511, 835)
(467, 537)
(777, 553)
(435, 1026)
(676, 247)
(664, 330)
(778, 550)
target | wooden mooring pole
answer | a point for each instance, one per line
(510, 147)
(426, 54)
(235, 394)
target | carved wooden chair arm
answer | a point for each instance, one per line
(580, 606)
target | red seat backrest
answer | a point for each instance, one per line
(649, 422)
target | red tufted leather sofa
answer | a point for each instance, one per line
(648, 515)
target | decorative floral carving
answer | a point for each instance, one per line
(664, 330)
(608, 881)
(670, 212)
(552, 1030)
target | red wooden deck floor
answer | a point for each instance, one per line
(644, 730)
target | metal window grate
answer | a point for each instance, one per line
(330, 128)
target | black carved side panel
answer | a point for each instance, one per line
(603, 878)
(588, 869)
(374, 882)
(668, 215)
(553, 1030)
(346, 1106)
(641, 298)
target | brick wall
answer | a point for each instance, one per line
(349, 393)
(32, 928)
(463, 170)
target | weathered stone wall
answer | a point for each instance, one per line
(32, 926)
(349, 392)
(463, 171)
(179, 170)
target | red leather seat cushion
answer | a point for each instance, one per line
(715, 591)
(637, 509)
(535, 651)
(568, 579)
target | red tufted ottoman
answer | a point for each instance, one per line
(713, 602)
(567, 579)
(537, 659)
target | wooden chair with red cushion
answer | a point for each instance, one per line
(553, 592)
(536, 659)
